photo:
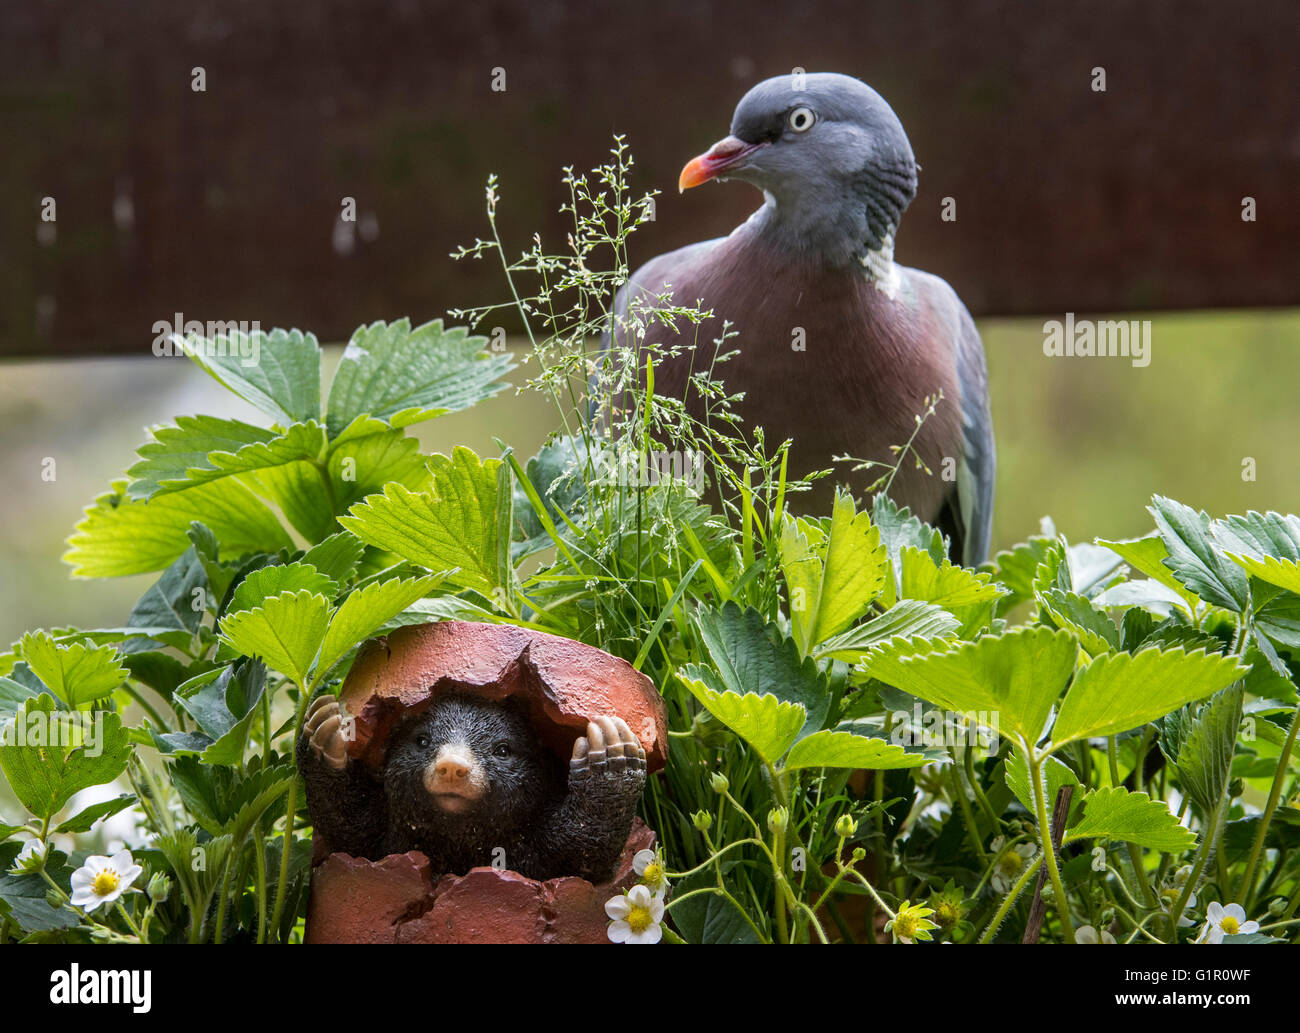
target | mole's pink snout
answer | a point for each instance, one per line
(454, 777)
(451, 770)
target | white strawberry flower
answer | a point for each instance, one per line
(101, 880)
(1225, 921)
(648, 865)
(636, 916)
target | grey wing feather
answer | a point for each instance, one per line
(976, 471)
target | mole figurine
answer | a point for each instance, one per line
(466, 782)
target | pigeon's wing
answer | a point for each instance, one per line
(973, 509)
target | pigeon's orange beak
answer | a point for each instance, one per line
(726, 154)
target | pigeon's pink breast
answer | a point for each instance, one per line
(826, 358)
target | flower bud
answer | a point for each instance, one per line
(858, 854)
(702, 820)
(1277, 907)
(1235, 788)
(719, 782)
(29, 863)
(159, 888)
(777, 819)
(846, 826)
(53, 898)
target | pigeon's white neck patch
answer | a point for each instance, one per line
(758, 216)
(881, 269)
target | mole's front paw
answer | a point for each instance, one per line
(609, 755)
(323, 728)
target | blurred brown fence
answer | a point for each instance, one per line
(224, 203)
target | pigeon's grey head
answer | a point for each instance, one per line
(830, 155)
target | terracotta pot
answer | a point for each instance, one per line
(396, 901)
(563, 683)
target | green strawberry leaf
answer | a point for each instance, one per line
(118, 536)
(832, 578)
(78, 673)
(279, 372)
(1119, 691)
(405, 376)
(1116, 813)
(460, 525)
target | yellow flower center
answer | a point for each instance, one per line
(905, 925)
(946, 914)
(653, 874)
(639, 918)
(1010, 863)
(105, 883)
(1229, 925)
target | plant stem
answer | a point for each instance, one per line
(1292, 907)
(139, 697)
(1247, 886)
(1119, 881)
(1001, 916)
(259, 856)
(161, 813)
(968, 761)
(291, 809)
(219, 931)
(1134, 854)
(1045, 838)
(830, 887)
(1138, 927)
(715, 856)
(968, 816)
(121, 910)
(878, 784)
(1202, 855)
(855, 874)
(1278, 925)
(778, 872)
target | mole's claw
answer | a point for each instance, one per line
(323, 729)
(578, 762)
(615, 749)
(610, 753)
(320, 708)
(596, 743)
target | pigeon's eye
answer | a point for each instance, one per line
(501, 749)
(802, 119)
(422, 741)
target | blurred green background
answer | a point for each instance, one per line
(1084, 440)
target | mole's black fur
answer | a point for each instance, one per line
(467, 783)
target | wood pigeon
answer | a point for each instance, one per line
(839, 345)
